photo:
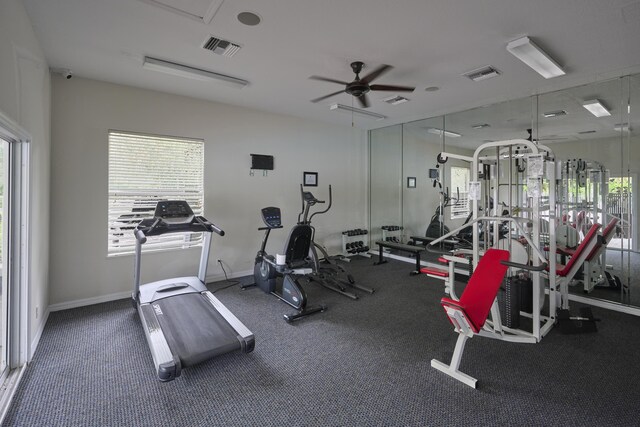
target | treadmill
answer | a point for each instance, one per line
(184, 323)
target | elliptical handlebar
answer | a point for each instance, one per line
(328, 207)
(308, 200)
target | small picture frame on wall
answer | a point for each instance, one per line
(310, 179)
(411, 182)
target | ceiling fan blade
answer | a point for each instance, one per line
(376, 73)
(327, 96)
(326, 79)
(364, 100)
(391, 88)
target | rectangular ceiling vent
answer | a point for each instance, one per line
(221, 47)
(395, 100)
(483, 73)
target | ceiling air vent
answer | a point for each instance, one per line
(395, 100)
(482, 73)
(221, 47)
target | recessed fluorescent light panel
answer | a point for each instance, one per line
(554, 113)
(395, 100)
(188, 72)
(528, 52)
(357, 111)
(441, 132)
(596, 108)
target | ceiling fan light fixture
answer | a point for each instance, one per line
(528, 52)
(441, 132)
(357, 111)
(595, 107)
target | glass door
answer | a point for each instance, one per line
(4, 323)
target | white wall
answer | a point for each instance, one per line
(84, 110)
(25, 99)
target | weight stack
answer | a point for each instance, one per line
(526, 295)
(509, 302)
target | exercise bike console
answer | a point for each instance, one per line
(272, 217)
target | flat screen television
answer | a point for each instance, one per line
(261, 161)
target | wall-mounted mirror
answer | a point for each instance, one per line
(591, 130)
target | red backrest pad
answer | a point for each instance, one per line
(478, 296)
(607, 234)
(590, 235)
(608, 231)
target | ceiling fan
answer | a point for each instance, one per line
(361, 86)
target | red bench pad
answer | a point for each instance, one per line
(435, 271)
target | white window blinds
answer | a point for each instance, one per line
(142, 170)
(459, 191)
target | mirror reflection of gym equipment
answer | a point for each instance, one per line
(586, 212)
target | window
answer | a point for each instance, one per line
(459, 183)
(142, 170)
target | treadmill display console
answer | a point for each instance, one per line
(271, 216)
(173, 211)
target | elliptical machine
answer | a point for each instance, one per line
(266, 269)
(436, 227)
(326, 271)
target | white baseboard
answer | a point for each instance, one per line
(36, 338)
(89, 301)
(126, 294)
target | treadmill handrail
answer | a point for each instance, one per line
(157, 226)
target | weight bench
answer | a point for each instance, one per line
(469, 314)
(566, 273)
(426, 240)
(589, 263)
(416, 250)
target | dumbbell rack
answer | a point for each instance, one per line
(353, 243)
(392, 233)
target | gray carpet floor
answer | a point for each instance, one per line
(360, 363)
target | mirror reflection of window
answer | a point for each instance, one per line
(459, 192)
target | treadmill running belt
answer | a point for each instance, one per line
(194, 329)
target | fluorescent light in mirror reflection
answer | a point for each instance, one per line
(595, 107)
(440, 132)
